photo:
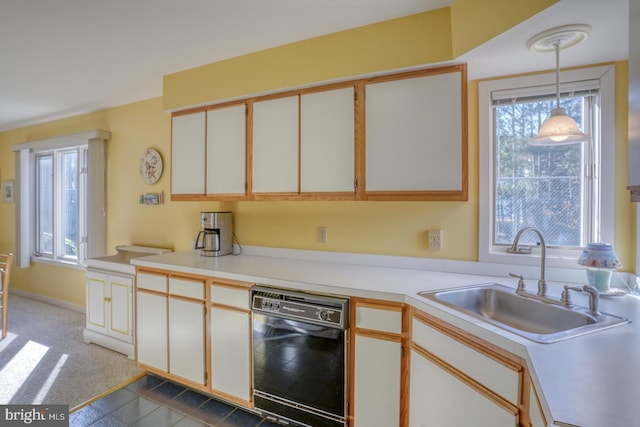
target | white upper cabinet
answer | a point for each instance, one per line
(275, 146)
(226, 150)
(392, 137)
(414, 134)
(187, 154)
(327, 150)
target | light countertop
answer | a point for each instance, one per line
(588, 381)
(120, 262)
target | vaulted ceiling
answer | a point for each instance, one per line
(61, 58)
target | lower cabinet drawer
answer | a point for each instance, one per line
(152, 282)
(186, 288)
(387, 319)
(233, 297)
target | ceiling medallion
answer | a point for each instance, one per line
(565, 36)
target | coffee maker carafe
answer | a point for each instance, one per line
(216, 236)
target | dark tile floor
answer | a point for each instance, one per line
(152, 401)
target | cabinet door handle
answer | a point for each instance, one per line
(107, 299)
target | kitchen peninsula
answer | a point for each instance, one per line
(584, 381)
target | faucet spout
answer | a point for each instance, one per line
(542, 283)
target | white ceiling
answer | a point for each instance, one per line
(61, 58)
(507, 53)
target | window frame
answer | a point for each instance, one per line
(59, 209)
(92, 183)
(567, 258)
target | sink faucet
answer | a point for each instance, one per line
(594, 297)
(514, 249)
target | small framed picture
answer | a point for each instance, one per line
(152, 198)
(7, 191)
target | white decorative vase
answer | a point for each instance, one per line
(600, 278)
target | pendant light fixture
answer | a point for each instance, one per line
(559, 128)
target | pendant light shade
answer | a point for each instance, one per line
(559, 128)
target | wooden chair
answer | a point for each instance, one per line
(5, 275)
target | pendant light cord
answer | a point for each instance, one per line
(557, 49)
(559, 128)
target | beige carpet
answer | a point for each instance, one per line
(43, 359)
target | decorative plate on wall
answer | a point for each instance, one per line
(151, 166)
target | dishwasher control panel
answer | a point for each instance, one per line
(319, 309)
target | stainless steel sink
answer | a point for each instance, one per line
(535, 320)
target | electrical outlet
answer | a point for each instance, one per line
(435, 239)
(322, 234)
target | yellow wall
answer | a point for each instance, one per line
(405, 42)
(393, 228)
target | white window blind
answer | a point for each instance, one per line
(506, 96)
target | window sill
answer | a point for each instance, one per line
(57, 263)
(553, 260)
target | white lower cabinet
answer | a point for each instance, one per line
(439, 398)
(230, 330)
(186, 339)
(193, 336)
(231, 353)
(152, 327)
(171, 326)
(376, 382)
(407, 367)
(187, 316)
(152, 321)
(456, 381)
(377, 364)
(109, 311)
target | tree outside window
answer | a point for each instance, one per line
(536, 186)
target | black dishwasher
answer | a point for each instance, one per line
(299, 356)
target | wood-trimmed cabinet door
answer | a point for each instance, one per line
(415, 134)
(230, 327)
(226, 151)
(377, 363)
(439, 398)
(187, 154)
(152, 321)
(152, 331)
(275, 145)
(187, 315)
(327, 141)
(457, 379)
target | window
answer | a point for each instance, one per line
(61, 213)
(563, 191)
(543, 187)
(59, 196)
